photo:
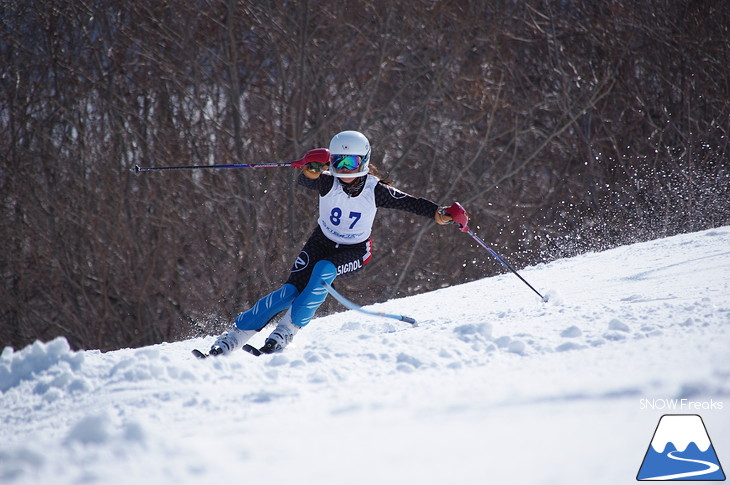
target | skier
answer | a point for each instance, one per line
(349, 196)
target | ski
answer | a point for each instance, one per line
(252, 350)
(248, 348)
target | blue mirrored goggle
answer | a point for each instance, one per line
(346, 162)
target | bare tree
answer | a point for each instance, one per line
(558, 124)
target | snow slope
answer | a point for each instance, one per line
(493, 386)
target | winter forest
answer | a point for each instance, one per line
(562, 127)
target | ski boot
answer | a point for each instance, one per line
(282, 335)
(230, 341)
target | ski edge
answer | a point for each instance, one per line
(252, 350)
(200, 355)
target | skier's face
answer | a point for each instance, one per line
(345, 164)
(348, 180)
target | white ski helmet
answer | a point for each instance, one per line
(351, 150)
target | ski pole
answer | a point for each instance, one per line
(504, 263)
(460, 218)
(353, 306)
(138, 169)
(317, 155)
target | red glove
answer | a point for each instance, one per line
(455, 214)
(319, 157)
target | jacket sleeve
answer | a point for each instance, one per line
(392, 198)
(323, 183)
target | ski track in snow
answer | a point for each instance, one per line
(493, 386)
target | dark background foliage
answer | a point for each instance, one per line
(562, 126)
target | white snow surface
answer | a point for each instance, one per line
(494, 386)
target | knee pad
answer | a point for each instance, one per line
(256, 317)
(314, 293)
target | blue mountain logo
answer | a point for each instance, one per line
(681, 450)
